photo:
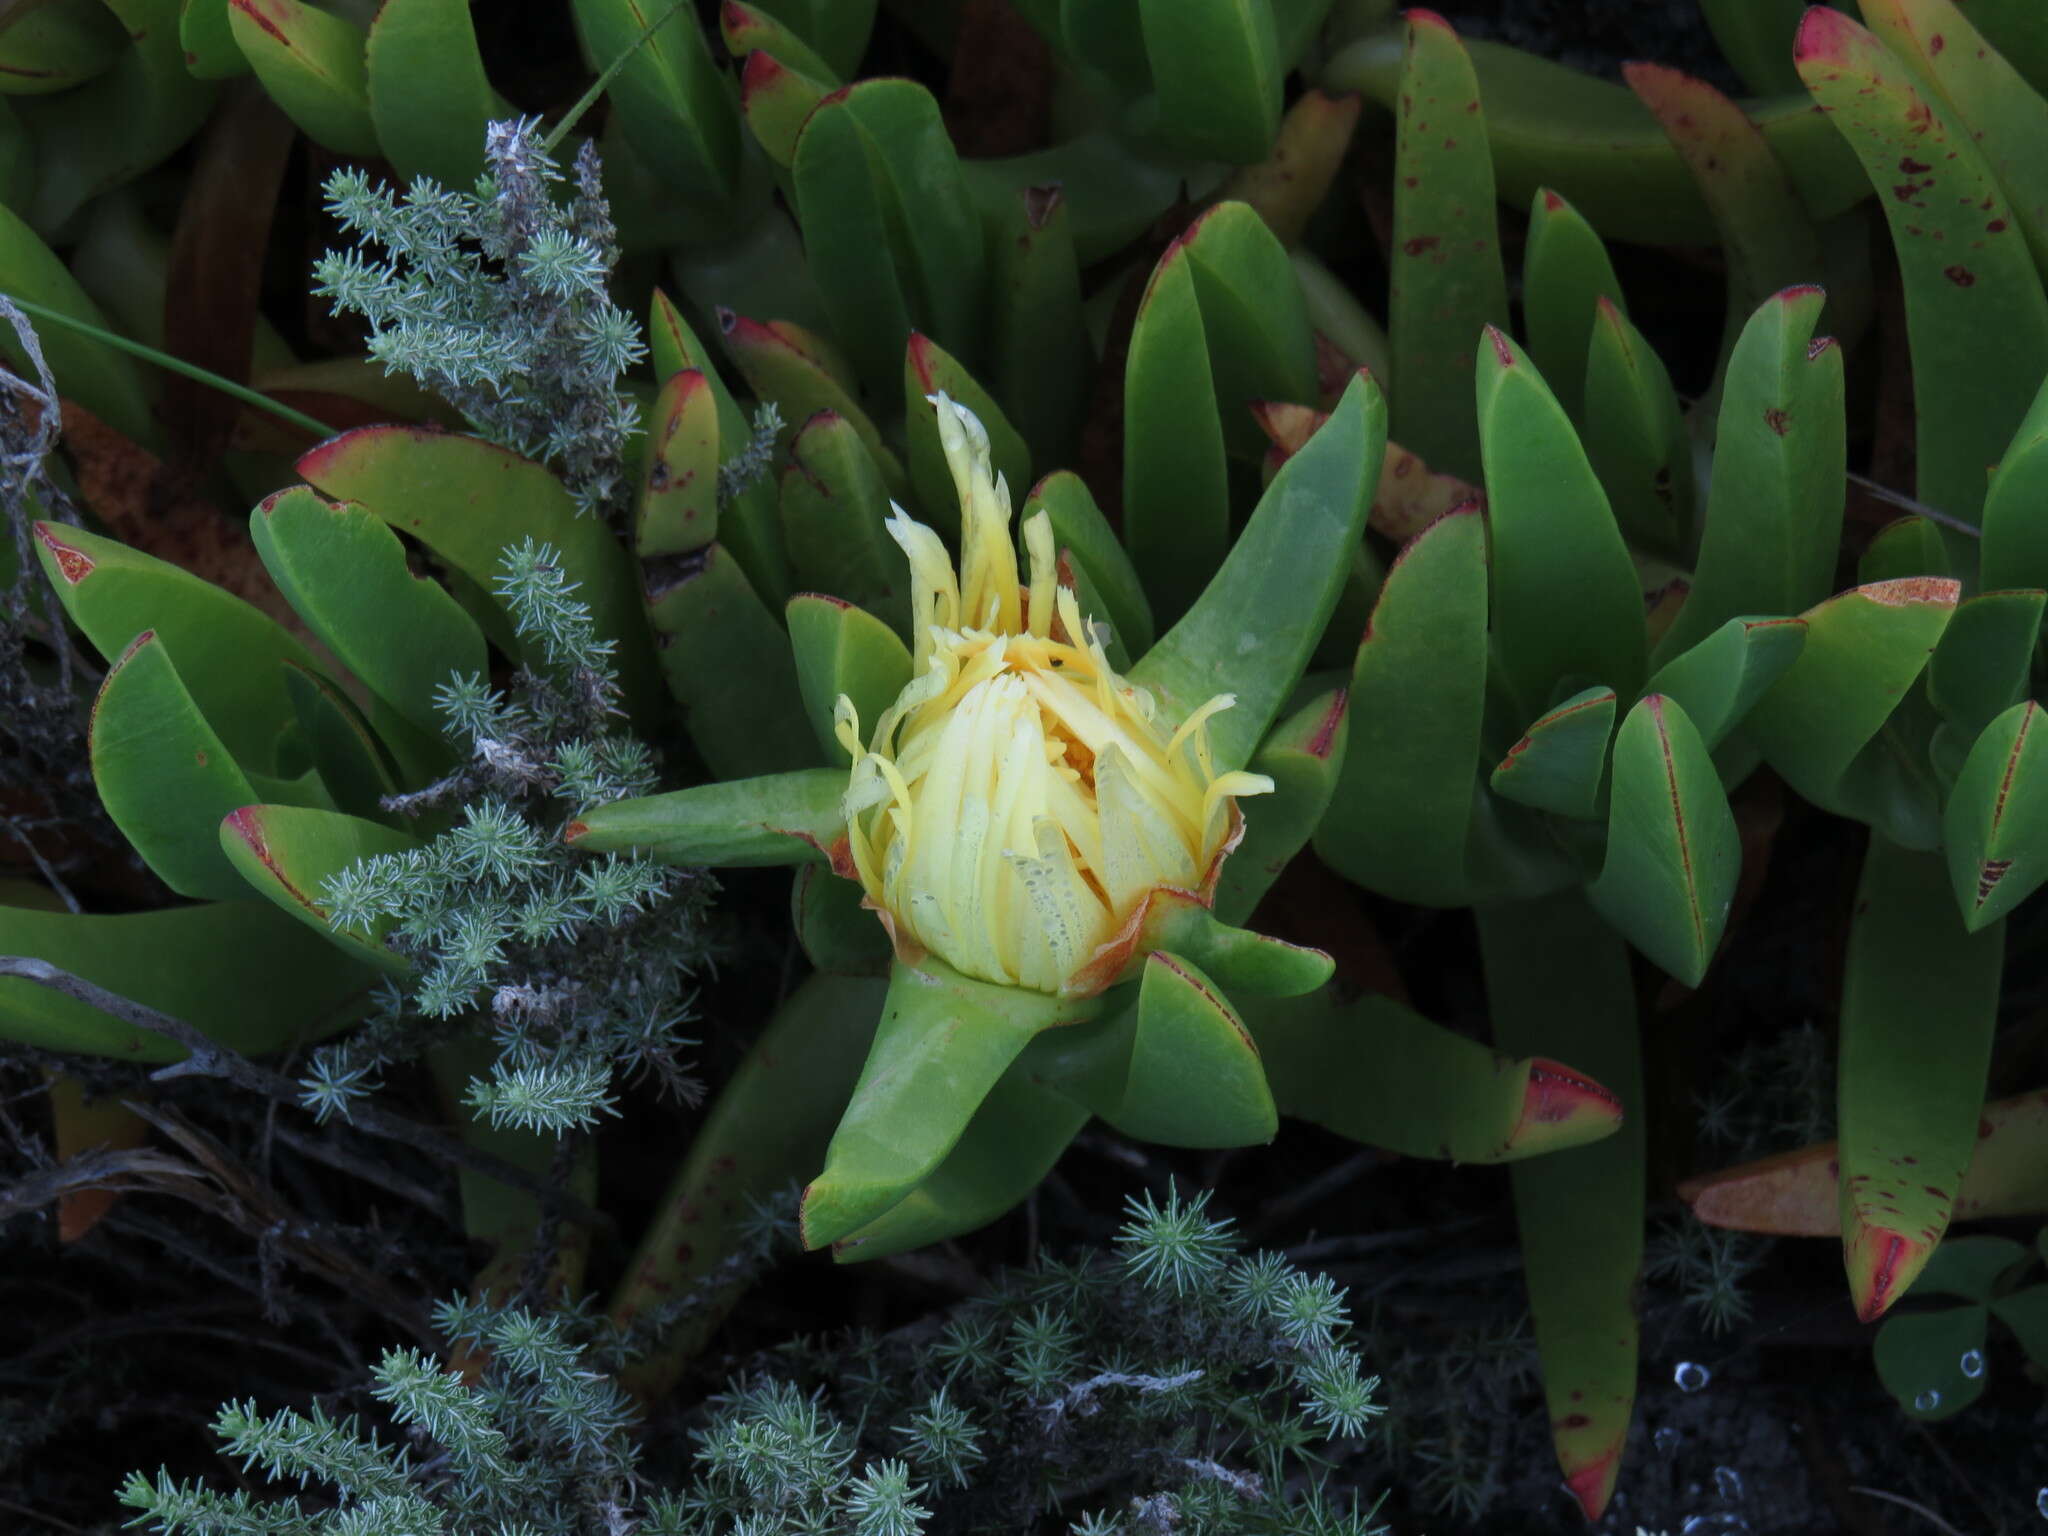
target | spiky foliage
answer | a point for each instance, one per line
(583, 964)
(1194, 1410)
(497, 300)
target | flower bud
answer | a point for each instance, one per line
(1017, 805)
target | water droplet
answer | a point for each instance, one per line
(1667, 1440)
(1973, 1363)
(2041, 1503)
(1729, 1481)
(1927, 1401)
(1691, 1376)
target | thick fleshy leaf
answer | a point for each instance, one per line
(1012, 1142)
(1909, 1095)
(1919, 1358)
(674, 104)
(1975, 312)
(928, 369)
(676, 509)
(1195, 1077)
(1238, 959)
(1767, 235)
(288, 853)
(311, 64)
(56, 46)
(777, 96)
(1721, 678)
(105, 133)
(893, 238)
(796, 371)
(1089, 547)
(728, 664)
(1797, 1194)
(1558, 983)
(1568, 609)
(1996, 825)
(211, 52)
(673, 346)
(1774, 508)
(766, 1130)
(1291, 182)
(2015, 545)
(431, 486)
(230, 655)
(1038, 344)
(345, 574)
(429, 97)
(837, 29)
(1303, 757)
(1447, 284)
(1673, 854)
(841, 649)
(2006, 117)
(835, 511)
(164, 776)
(1253, 318)
(1380, 1073)
(240, 971)
(106, 382)
(943, 1042)
(1216, 65)
(1756, 37)
(1980, 668)
(1565, 273)
(1864, 649)
(1548, 124)
(352, 763)
(782, 818)
(1904, 547)
(1176, 511)
(1286, 568)
(747, 28)
(1400, 819)
(1636, 438)
(1560, 764)
(837, 931)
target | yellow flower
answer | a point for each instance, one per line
(1019, 803)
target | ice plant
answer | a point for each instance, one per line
(1042, 833)
(1019, 803)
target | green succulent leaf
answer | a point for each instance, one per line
(1012, 1142)
(1216, 64)
(1904, 547)
(1774, 509)
(1718, 681)
(1195, 1077)
(728, 663)
(1560, 764)
(674, 105)
(208, 39)
(841, 649)
(429, 485)
(343, 745)
(1097, 557)
(1909, 1095)
(241, 972)
(943, 1042)
(1673, 854)
(1995, 829)
(1447, 284)
(1254, 320)
(1565, 273)
(783, 818)
(288, 853)
(1286, 568)
(230, 656)
(430, 100)
(1980, 666)
(1568, 609)
(57, 46)
(794, 370)
(1975, 312)
(2015, 544)
(1303, 756)
(1558, 983)
(1038, 344)
(835, 511)
(311, 64)
(1636, 438)
(676, 508)
(1378, 1072)
(838, 934)
(345, 573)
(1401, 816)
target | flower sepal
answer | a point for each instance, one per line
(1182, 922)
(943, 1043)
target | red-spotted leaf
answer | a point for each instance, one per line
(676, 509)
(1909, 1095)
(1996, 825)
